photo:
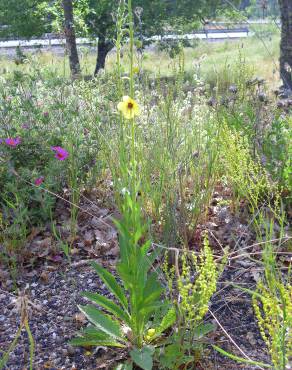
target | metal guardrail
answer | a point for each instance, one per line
(208, 34)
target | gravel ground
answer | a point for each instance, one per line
(54, 288)
(55, 318)
(53, 321)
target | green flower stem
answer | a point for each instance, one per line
(131, 33)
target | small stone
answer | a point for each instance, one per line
(59, 340)
(251, 338)
(71, 350)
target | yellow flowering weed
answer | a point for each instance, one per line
(129, 107)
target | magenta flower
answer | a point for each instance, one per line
(13, 142)
(61, 153)
(39, 181)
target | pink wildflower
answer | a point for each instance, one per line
(61, 153)
(13, 142)
(39, 181)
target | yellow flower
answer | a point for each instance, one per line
(129, 107)
(136, 70)
(151, 332)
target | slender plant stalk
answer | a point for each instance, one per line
(10, 349)
(31, 345)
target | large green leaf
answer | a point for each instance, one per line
(172, 353)
(126, 366)
(102, 321)
(108, 305)
(111, 283)
(143, 357)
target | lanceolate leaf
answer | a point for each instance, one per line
(111, 283)
(108, 305)
(240, 359)
(148, 311)
(92, 332)
(151, 257)
(145, 247)
(153, 297)
(102, 321)
(152, 285)
(90, 336)
(87, 342)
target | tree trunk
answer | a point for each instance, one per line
(286, 43)
(103, 48)
(71, 38)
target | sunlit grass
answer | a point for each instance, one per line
(214, 60)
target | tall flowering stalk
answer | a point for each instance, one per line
(131, 34)
(128, 109)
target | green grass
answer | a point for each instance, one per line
(212, 60)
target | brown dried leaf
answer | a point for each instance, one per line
(79, 319)
(44, 277)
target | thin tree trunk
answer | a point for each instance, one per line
(286, 43)
(71, 38)
(103, 48)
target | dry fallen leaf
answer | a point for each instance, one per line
(74, 251)
(79, 319)
(44, 277)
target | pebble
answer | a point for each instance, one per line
(53, 327)
(70, 350)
